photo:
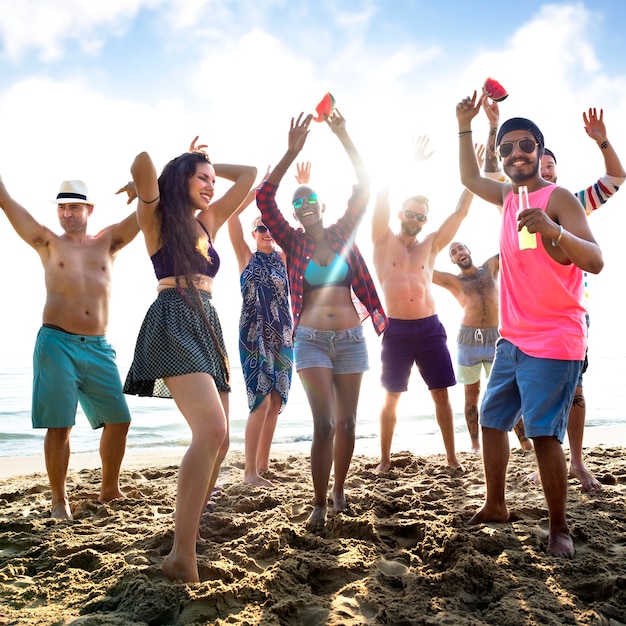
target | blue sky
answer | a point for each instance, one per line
(87, 85)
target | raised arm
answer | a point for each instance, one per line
(147, 189)
(420, 149)
(594, 196)
(446, 280)
(298, 132)
(380, 217)
(492, 166)
(242, 250)
(124, 232)
(240, 246)
(303, 173)
(493, 265)
(487, 189)
(337, 124)
(596, 129)
(242, 177)
(25, 225)
(446, 232)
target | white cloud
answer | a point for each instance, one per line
(239, 87)
(48, 26)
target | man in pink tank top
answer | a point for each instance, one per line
(542, 326)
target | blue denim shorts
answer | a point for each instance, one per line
(542, 389)
(68, 369)
(343, 351)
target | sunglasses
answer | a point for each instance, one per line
(412, 215)
(261, 229)
(298, 202)
(525, 145)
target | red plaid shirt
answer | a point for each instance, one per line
(298, 248)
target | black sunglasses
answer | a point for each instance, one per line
(412, 215)
(298, 202)
(525, 145)
(261, 229)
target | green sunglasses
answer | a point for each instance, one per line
(298, 202)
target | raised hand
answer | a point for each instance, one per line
(303, 173)
(195, 147)
(479, 149)
(336, 121)
(128, 188)
(594, 125)
(467, 109)
(492, 111)
(298, 132)
(420, 146)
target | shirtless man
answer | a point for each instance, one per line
(73, 362)
(476, 290)
(404, 267)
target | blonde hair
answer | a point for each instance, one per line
(419, 199)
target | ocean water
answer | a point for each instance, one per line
(157, 424)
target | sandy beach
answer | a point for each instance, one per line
(402, 554)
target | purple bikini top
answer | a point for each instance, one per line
(163, 263)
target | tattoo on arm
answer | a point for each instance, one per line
(491, 159)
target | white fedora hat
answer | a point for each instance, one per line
(73, 192)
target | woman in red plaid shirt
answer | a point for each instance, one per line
(326, 270)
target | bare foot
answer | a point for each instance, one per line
(317, 519)
(61, 510)
(560, 544)
(497, 514)
(108, 496)
(258, 481)
(454, 463)
(475, 446)
(587, 479)
(186, 572)
(383, 467)
(338, 498)
(534, 479)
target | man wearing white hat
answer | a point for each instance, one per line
(73, 362)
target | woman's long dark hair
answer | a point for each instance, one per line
(179, 232)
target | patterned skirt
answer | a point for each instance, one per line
(175, 340)
(265, 329)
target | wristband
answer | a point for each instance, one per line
(465, 132)
(555, 242)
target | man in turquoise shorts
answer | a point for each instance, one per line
(476, 289)
(72, 361)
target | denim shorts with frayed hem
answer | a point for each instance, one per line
(343, 351)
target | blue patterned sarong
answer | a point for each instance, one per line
(265, 329)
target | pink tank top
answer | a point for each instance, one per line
(540, 300)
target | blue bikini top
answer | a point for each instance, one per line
(336, 274)
(163, 262)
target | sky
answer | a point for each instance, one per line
(88, 85)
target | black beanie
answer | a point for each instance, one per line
(521, 123)
(549, 153)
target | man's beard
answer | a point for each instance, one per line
(518, 177)
(410, 230)
(465, 265)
